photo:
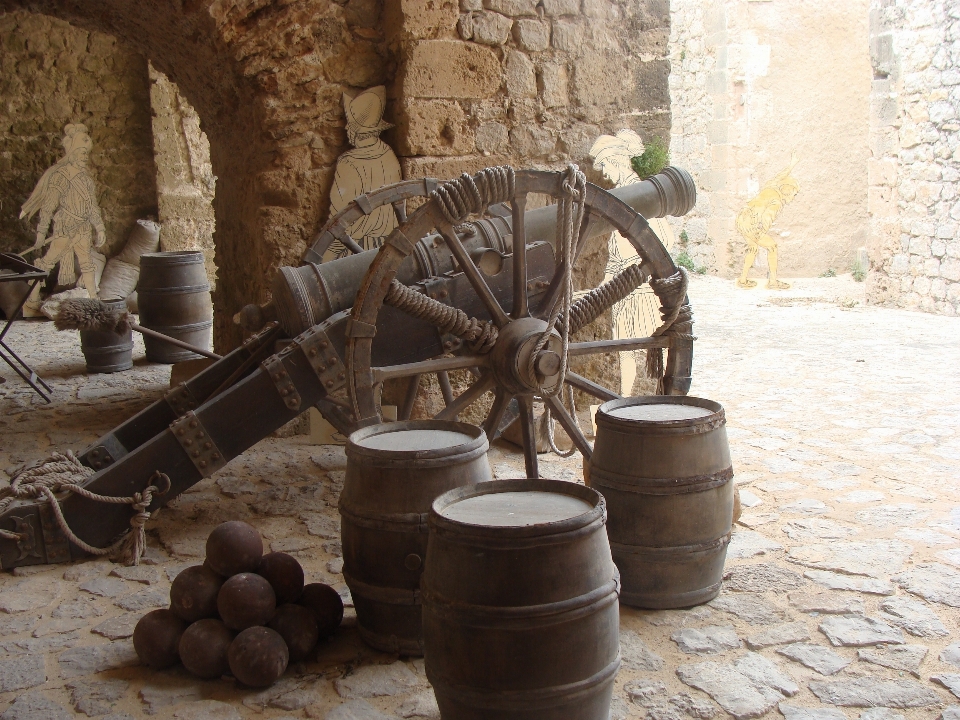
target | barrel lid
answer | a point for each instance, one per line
(516, 509)
(414, 440)
(417, 439)
(172, 257)
(659, 411)
(663, 411)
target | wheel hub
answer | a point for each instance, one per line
(510, 357)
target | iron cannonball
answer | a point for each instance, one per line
(156, 638)
(284, 574)
(258, 656)
(193, 593)
(204, 646)
(234, 547)
(246, 600)
(297, 626)
(326, 604)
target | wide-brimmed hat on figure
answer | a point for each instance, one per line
(365, 110)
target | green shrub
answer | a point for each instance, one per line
(829, 272)
(685, 261)
(654, 159)
(684, 238)
(858, 270)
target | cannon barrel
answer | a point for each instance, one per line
(307, 295)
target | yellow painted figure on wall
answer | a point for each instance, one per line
(756, 219)
(67, 196)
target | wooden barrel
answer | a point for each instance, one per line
(107, 351)
(663, 465)
(520, 613)
(174, 299)
(394, 473)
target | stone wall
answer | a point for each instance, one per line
(185, 180)
(915, 145)
(54, 74)
(752, 82)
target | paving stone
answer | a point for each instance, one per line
(779, 635)
(795, 712)
(885, 516)
(92, 659)
(859, 631)
(335, 566)
(356, 710)
(376, 680)
(79, 608)
(329, 457)
(753, 610)
(951, 712)
(35, 706)
(951, 654)
(873, 558)
(19, 673)
(816, 657)
(144, 574)
(881, 713)
(747, 543)
(207, 710)
(827, 603)
(57, 627)
(297, 698)
(39, 645)
(874, 692)
(933, 582)
(806, 506)
(693, 707)
(235, 487)
(636, 655)
(15, 624)
(96, 697)
(30, 595)
(105, 587)
(913, 616)
(813, 529)
(862, 496)
(836, 581)
(144, 600)
(646, 692)
(952, 556)
(950, 681)
(761, 578)
(675, 618)
(421, 705)
(164, 692)
(709, 640)
(746, 688)
(757, 519)
(118, 627)
(773, 486)
(81, 571)
(322, 525)
(928, 537)
(749, 499)
(896, 657)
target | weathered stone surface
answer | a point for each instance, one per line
(816, 657)
(636, 655)
(827, 603)
(693, 707)
(561, 7)
(913, 616)
(859, 631)
(449, 69)
(709, 640)
(143, 600)
(356, 710)
(892, 515)
(30, 595)
(105, 587)
(234, 487)
(779, 635)
(950, 681)
(951, 654)
(433, 127)
(421, 705)
(567, 36)
(762, 577)
(934, 582)
(532, 35)
(554, 85)
(747, 543)
(805, 506)
(646, 692)
(753, 610)
(376, 680)
(92, 659)
(19, 673)
(677, 618)
(520, 75)
(491, 28)
(897, 657)
(874, 692)
(35, 706)
(836, 581)
(881, 713)
(747, 688)
(814, 529)
(57, 627)
(117, 628)
(512, 7)
(14, 624)
(322, 525)
(39, 645)
(794, 712)
(164, 692)
(592, 84)
(207, 710)
(138, 573)
(873, 558)
(96, 697)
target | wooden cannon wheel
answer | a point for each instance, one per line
(504, 367)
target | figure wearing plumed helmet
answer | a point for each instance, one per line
(67, 196)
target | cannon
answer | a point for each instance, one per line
(470, 281)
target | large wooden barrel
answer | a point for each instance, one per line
(394, 473)
(174, 299)
(107, 351)
(520, 613)
(663, 465)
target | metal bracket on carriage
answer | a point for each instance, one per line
(197, 444)
(180, 399)
(323, 358)
(106, 452)
(273, 365)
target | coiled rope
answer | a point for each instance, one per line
(677, 317)
(64, 472)
(479, 335)
(459, 198)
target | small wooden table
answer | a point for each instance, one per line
(25, 272)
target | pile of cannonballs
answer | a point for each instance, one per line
(241, 613)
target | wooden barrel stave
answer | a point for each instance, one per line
(174, 299)
(107, 351)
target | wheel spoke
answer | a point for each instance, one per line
(472, 272)
(590, 387)
(556, 282)
(568, 424)
(400, 210)
(529, 436)
(466, 398)
(519, 310)
(351, 244)
(622, 345)
(491, 426)
(412, 389)
(445, 388)
(458, 362)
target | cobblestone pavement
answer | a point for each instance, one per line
(844, 574)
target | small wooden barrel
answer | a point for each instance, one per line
(394, 473)
(663, 465)
(174, 299)
(106, 351)
(520, 613)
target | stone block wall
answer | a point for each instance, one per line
(915, 147)
(52, 74)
